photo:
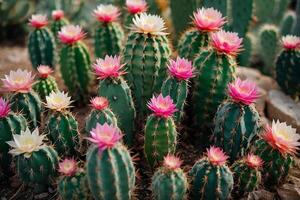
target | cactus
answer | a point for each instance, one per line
(220, 5)
(41, 45)
(46, 83)
(244, 58)
(211, 177)
(263, 10)
(58, 22)
(146, 54)
(169, 181)
(109, 34)
(110, 170)
(115, 89)
(160, 130)
(247, 175)
(287, 66)
(297, 25)
(75, 62)
(288, 23)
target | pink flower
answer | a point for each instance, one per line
(4, 108)
(105, 136)
(291, 42)
(282, 137)
(226, 42)
(38, 21)
(18, 81)
(182, 68)
(109, 67)
(57, 14)
(44, 71)
(172, 162)
(253, 161)
(208, 19)
(162, 106)
(68, 167)
(136, 6)
(99, 103)
(70, 34)
(107, 13)
(216, 156)
(245, 92)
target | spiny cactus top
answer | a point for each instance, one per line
(216, 156)
(26, 143)
(18, 81)
(172, 162)
(244, 92)
(68, 167)
(162, 106)
(99, 103)
(208, 19)
(106, 13)
(226, 42)
(109, 67)
(282, 137)
(57, 15)
(148, 24)
(44, 71)
(253, 161)
(4, 108)
(136, 6)
(70, 34)
(291, 42)
(38, 21)
(58, 101)
(181, 69)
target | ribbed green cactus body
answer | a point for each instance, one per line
(76, 69)
(288, 23)
(39, 169)
(44, 86)
(146, 57)
(120, 101)
(41, 47)
(220, 5)
(244, 58)
(297, 25)
(14, 123)
(109, 38)
(191, 42)
(236, 126)
(210, 182)
(73, 187)
(169, 184)
(56, 27)
(214, 72)
(246, 179)
(160, 139)
(110, 173)
(62, 130)
(177, 90)
(288, 72)
(29, 104)
(276, 166)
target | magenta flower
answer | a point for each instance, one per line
(208, 19)
(4, 108)
(291, 42)
(44, 71)
(181, 69)
(162, 106)
(38, 21)
(70, 34)
(107, 13)
(172, 162)
(216, 156)
(68, 167)
(99, 103)
(57, 15)
(136, 6)
(109, 67)
(253, 161)
(18, 81)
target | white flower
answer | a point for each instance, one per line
(148, 24)
(26, 143)
(58, 101)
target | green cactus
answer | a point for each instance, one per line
(288, 72)
(44, 86)
(146, 57)
(29, 104)
(220, 5)
(288, 22)
(263, 10)
(296, 30)
(110, 173)
(280, 8)
(56, 27)
(236, 127)
(244, 58)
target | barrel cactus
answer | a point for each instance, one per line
(59, 21)
(211, 177)
(110, 169)
(160, 130)
(41, 45)
(237, 123)
(133, 8)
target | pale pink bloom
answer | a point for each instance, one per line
(148, 24)
(105, 136)
(282, 137)
(291, 42)
(18, 81)
(68, 167)
(162, 106)
(57, 14)
(136, 6)
(44, 71)
(70, 34)
(253, 161)
(226, 42)
(245, 92)
(216, 156)
(109, 67)
(38, 21)
(4, 108)
(99, 103)
(107, 13)
(181, 69)
(172, 162)
(208, 19)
